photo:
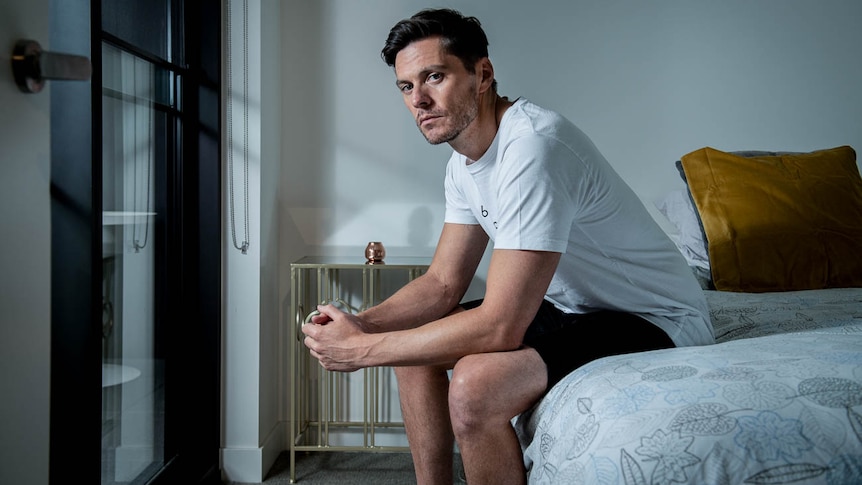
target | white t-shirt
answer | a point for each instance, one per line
(543, 185)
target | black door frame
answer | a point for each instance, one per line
(193, 384)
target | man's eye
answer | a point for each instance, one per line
(405, 88)
(435, 76)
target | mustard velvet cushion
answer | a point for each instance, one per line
(779, 223)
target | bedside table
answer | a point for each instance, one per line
(333, 411)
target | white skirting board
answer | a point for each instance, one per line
(250, 465)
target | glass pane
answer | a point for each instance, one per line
(151, 25)
(133, 162)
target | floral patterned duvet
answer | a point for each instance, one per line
(777, 400)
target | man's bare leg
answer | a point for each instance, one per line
(423, 392)
(486, 392)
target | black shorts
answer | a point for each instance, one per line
(566, 341)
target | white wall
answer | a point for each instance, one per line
(25, 255)
(253, 372)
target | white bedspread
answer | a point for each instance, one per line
(780, 408)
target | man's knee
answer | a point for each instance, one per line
(469, 395)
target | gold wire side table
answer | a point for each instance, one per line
(332, 411)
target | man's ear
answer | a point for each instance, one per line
(485, 70)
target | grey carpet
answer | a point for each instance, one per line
(349, 468)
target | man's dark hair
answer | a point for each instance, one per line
(462, 36)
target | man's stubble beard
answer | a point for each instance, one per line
(460, 121)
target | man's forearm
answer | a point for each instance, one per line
(437, 292)
(423, 300)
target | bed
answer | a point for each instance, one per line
(778, 398)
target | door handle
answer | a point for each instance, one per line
(32, 66)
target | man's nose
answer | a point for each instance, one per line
(419, 98)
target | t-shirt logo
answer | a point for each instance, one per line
(485, 214)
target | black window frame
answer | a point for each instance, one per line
(193, 382)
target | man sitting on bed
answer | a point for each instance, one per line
(579, 268)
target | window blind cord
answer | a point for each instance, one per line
(244, 245)
(148, 139)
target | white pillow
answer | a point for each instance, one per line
(680, 211)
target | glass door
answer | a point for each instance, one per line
(136, 244)
(152, 179)
(138, 117)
